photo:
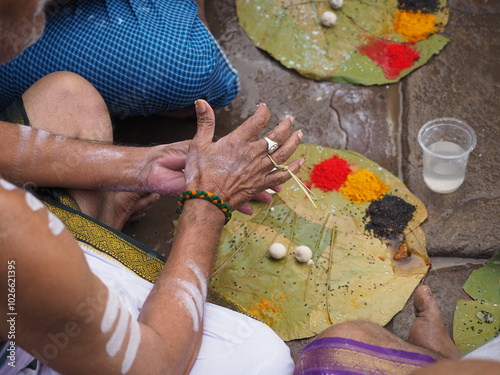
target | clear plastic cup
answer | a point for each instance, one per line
(446, 143)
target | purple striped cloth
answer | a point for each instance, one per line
(341, 356)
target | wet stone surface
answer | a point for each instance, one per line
(341, 116)
(381, 122)
(463, 81)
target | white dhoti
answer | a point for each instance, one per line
(232, 343)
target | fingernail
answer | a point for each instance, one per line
(292, 120)
(261, 104)
(200, 106)
(301, 162)
(300, 134)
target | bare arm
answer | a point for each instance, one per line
(35, 157)
(53, 276)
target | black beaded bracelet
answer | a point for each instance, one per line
(211, 197)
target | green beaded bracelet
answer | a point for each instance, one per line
(211, 197)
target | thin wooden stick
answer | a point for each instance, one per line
(309, 193)
(330, 260)
(316, 246)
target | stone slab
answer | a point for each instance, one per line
(463, 81)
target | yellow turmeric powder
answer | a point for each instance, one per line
(363, 186)
(415, 26)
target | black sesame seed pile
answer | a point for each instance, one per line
(425, 6)
(388, 216)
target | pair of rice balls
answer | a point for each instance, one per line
(329, 19)
(302, 253)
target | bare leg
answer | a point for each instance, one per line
(66, 104)
(428, 330)
(373, 334)
(427, 333)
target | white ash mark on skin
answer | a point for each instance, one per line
(24, 136)
(138, 172)
(56, 226)
(127, 324)
(104, 155)
(40, 142)
(201, 278)
(133, 345)
(195, 294)
(60, 138)
(190, 306)
(116, 341)
(192, 297)
(222, 165)
(190, 175)
(110, 313)
(7, 185)
(33, 202)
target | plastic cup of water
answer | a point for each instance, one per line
(446, 143)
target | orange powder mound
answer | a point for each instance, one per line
(415, 26)
(363, 186)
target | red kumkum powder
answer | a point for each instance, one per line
(392, 57)
(330, 174)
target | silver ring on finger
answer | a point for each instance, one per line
(271, 145)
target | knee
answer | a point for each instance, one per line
(66, 103)
(354, 330)
(69, 87)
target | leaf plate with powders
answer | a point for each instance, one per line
(353, 239)
(375, 42)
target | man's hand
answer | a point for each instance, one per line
(236, 167)
(166, 173)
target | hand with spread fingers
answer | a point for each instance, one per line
(237, 167)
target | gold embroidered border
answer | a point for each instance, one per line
(343, 359)
(139, 261)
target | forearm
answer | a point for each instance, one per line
(183, 283)
(33, 156)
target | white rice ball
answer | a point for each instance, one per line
(277, 250)
(303, 254)
(336, 4)
(328, 19)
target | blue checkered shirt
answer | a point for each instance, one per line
(143, 56)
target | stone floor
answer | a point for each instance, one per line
(381, 122)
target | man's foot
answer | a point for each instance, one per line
(428, 330)
(130, 206)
